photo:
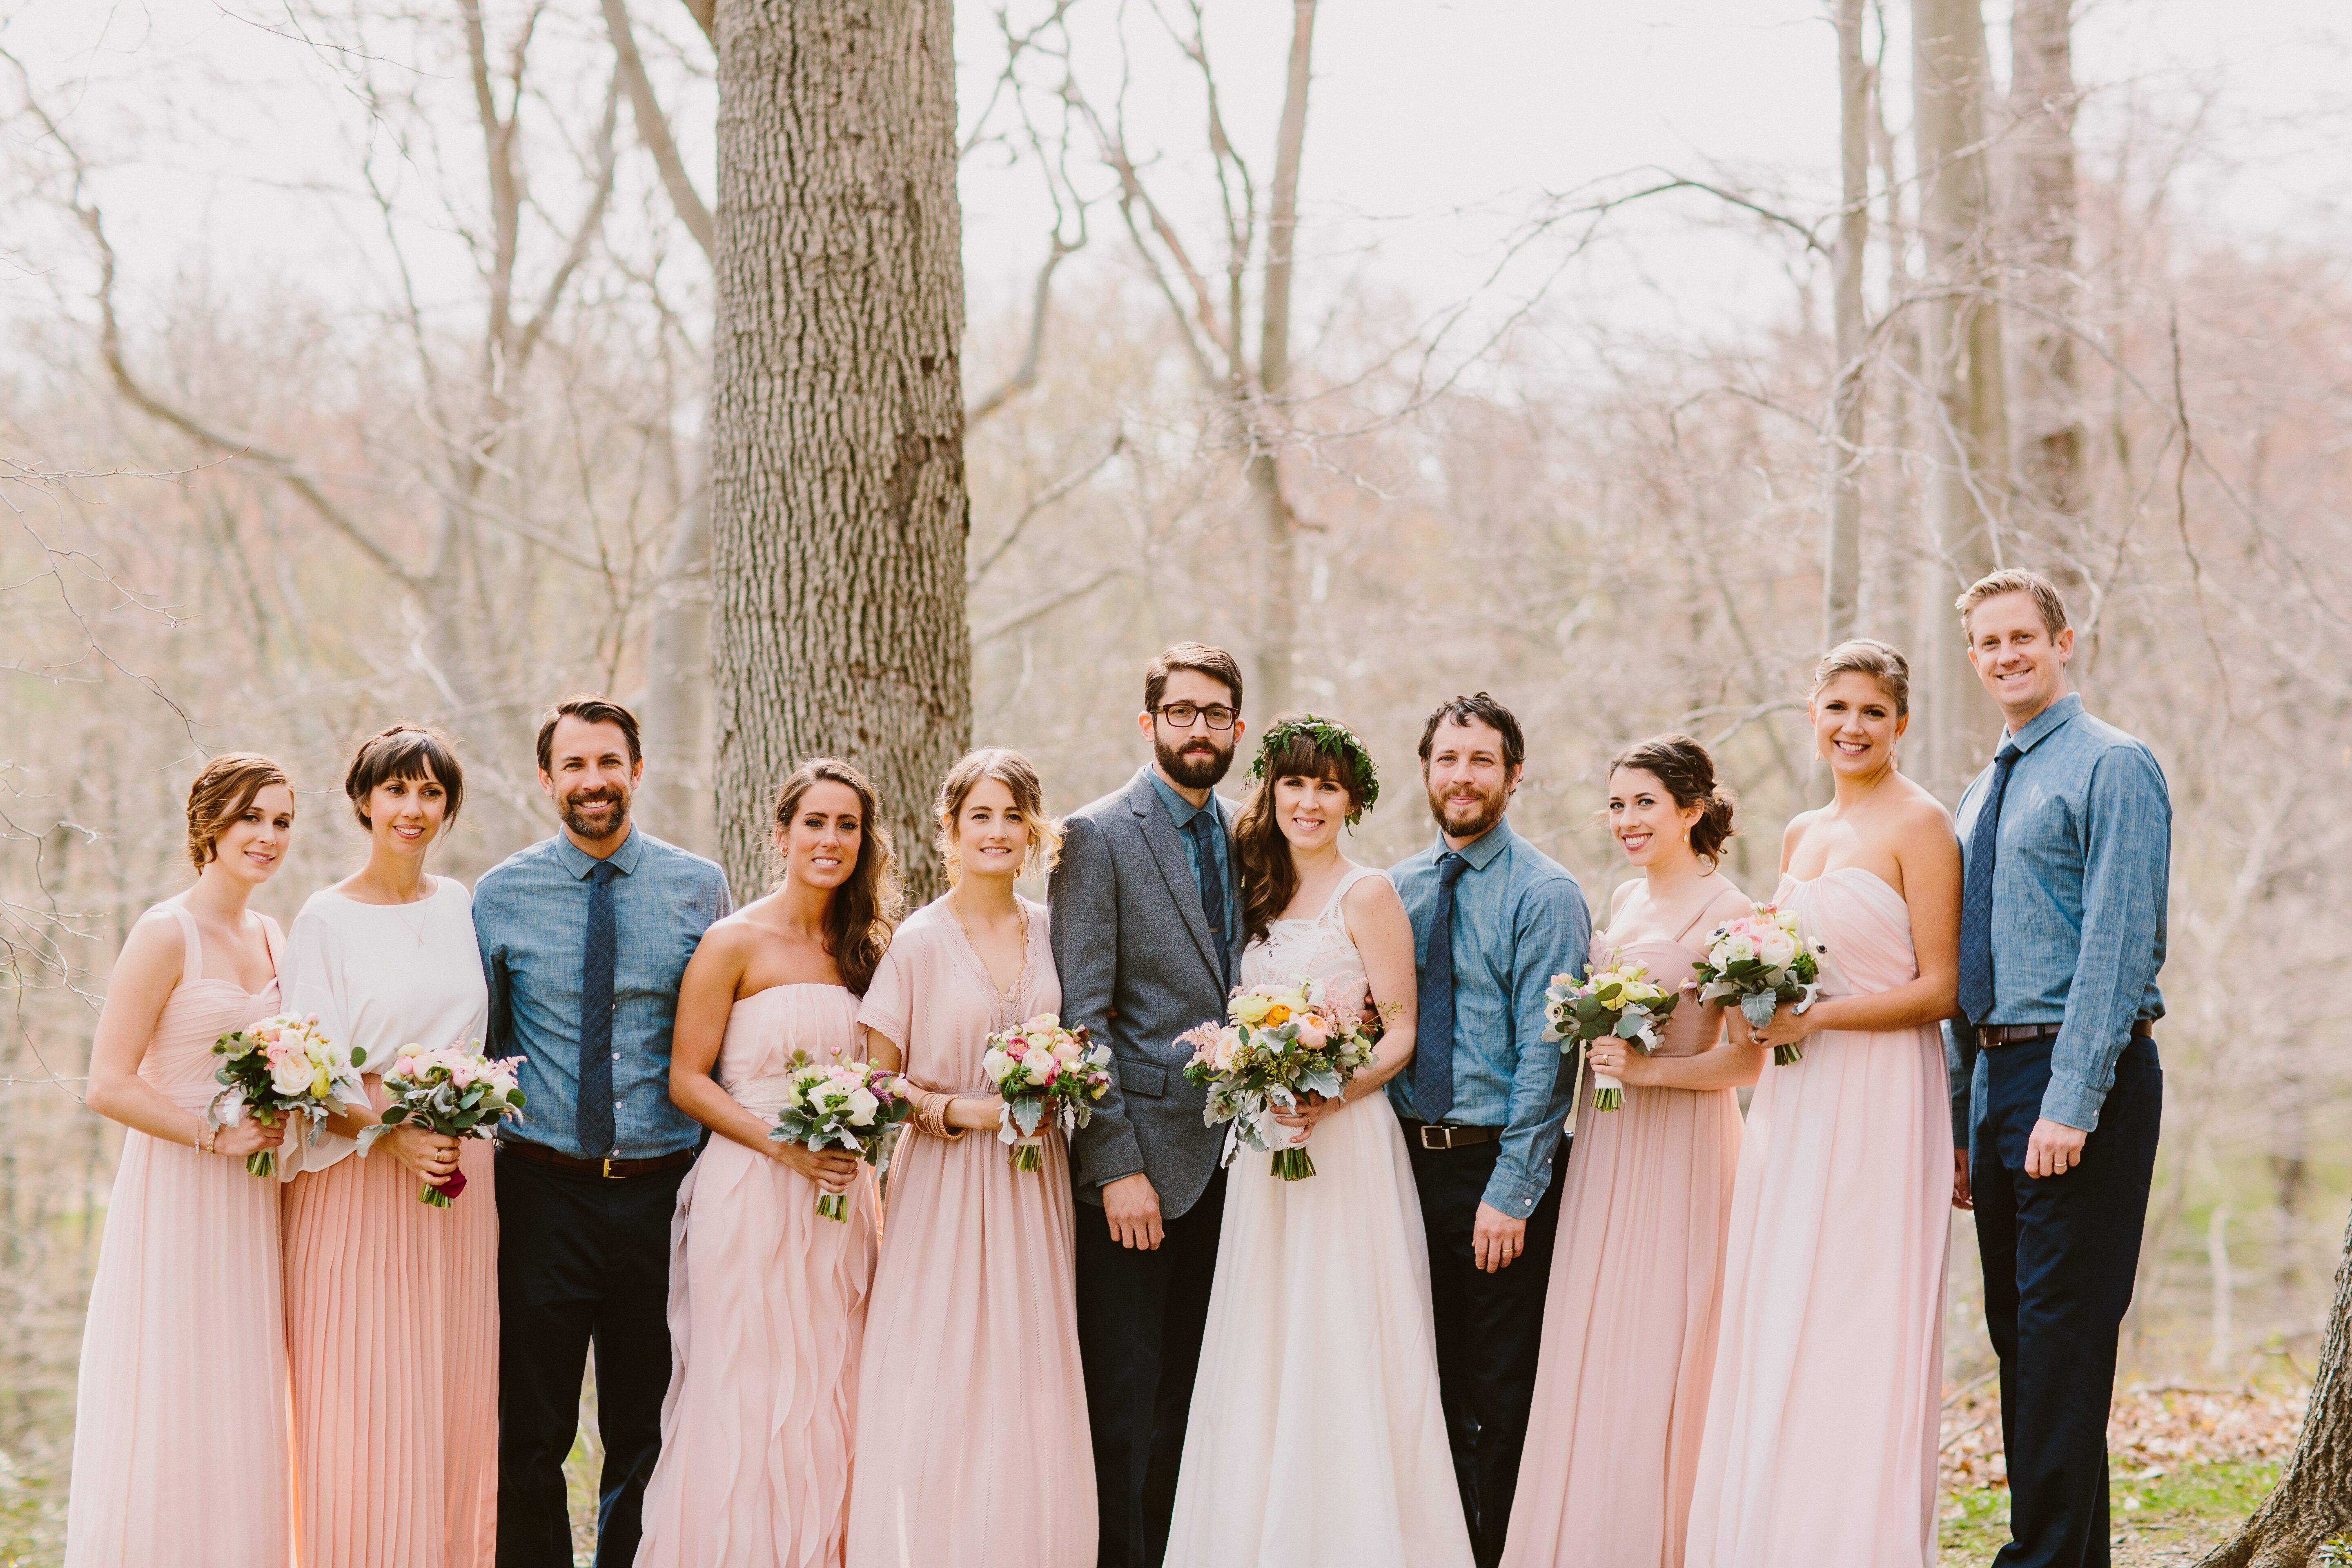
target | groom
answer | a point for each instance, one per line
(1147, 939)
(1493, 919)
(2066, 843)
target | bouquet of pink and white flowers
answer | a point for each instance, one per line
(1278, 1044)
(840, 1105)
(1620, 1002)
(454, 1091)
(1759, 960)
(280, 1066)
(1043, 1070)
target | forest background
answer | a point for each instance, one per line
(356, 364)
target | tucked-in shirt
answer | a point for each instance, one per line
(1519, 919)
(530, 919)
(2083, 858)
(1181, 812)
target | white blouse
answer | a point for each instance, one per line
(381, 977)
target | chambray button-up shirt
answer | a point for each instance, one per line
(531, 917)
(2078, 904)
(1519, 919)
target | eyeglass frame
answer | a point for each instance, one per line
(1200, 714)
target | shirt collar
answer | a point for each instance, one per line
(2042, 724)
(1481, 851)
(579, 863)
(1181, 810)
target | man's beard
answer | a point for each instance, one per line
(579, 824)
(1189, 767)
(1471, 820)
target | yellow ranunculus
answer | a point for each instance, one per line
(1277, 1016)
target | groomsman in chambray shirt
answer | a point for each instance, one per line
(584, 937)
(2066, 843)
(1493, 919)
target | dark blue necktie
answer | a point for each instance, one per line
(1212, 886)
(1976, 894)
(596, 1108)
(1432, 1040)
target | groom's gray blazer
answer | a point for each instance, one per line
(1138, 968)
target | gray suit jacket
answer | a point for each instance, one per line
(1137, 968)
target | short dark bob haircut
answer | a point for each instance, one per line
(403, 752)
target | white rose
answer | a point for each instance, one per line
(996, 1064)
(1777, 949)
(291, 1074)
(1040, 1063)
(862, 1106)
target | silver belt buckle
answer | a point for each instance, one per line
(1436, 1135)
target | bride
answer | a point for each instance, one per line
(1316, 1435)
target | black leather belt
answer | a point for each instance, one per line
(1446, 1135)
(611, 1170)
(2034, 1034)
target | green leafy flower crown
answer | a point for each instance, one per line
(1331, 738)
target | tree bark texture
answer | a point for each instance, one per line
(2042, 221)
(1841, 538)
(839, 513)
(2314, 1499)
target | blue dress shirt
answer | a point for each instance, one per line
(530, 919)
(1181, 812)
(2082, 862)
(1519, 919)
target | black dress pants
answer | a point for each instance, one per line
(583, 1261)
(2059, 1258)
(1142, 1316)
(1489, 1328)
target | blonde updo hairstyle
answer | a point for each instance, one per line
(221, 794)
(1883, 662)
(1687, 771)
(1016, 772)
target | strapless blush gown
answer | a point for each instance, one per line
(1821, 1427)
(767, 1313)
(1631, 1316)
(180, 1452)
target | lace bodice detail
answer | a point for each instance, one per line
(1315, 948)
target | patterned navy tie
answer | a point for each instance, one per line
(1433, 1045)
(1976, 894)
(1212, 887)
(594, 1117)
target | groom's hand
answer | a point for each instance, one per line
(1132, 1208)
(1496, 1239)
(2053, 1148)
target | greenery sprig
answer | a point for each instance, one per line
(1332, 739)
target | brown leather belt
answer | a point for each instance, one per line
(611, 1170)
(1446, 1135)
(2034, 1034)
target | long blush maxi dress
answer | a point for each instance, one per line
(180, 1415)
(392, 1305)
(767, 1312)
(972, 1449)
(1630, 1317)
(1821, 1429)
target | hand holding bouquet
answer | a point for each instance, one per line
(839, 1105)
(1760, 961)
(451, 1091)
(1279, 1044)
(281, 1067)
(1042, 1069)
(1620, 1002)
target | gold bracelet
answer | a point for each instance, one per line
(939, 1127)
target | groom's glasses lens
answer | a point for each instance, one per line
(1181, 715)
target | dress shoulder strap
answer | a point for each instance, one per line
(1355, 874)
(1694, 919)
(192, 963)
(275, 940)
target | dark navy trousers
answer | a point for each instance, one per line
(2059, 1258)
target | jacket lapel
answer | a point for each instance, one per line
(1175, 867)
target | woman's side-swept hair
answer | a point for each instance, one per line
(219, 796)
(864, 911)
(1269, 877)
(1014, 772)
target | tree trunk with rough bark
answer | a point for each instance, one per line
(838, 509)
(2050, 490)
(1842, 540)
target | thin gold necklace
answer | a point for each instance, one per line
(965, 926)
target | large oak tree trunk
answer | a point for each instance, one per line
(839, 513)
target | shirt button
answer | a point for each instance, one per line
(616, 1056)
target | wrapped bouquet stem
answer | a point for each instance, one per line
(1759, 960)
(1618, 1002)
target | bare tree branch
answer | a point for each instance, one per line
(653, 126)
(1045, 499)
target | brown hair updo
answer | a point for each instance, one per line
(1883, 662)
(1683, 766)
(219, 796)
(862, 910)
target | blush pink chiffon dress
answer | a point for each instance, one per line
(972, 1449)
(1822, 1429)
(767, 1313)
(180, 1415)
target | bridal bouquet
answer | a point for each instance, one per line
(453, 1091)
(1620, 1002)
(1760, 961)
(840, 1105)
(1278, 1044)
(1044, 1070)
(282, 1066)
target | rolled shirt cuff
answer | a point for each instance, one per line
(2071, 1102)
(1507, 1193)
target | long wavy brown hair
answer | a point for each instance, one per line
(862, 910)
(1269, 877)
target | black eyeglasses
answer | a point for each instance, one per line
(1182, 715)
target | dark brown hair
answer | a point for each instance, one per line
(1270, 877)
(1016, 772)
(1683, 765)
(403, 752)
(220, 795)
(1883, 662)
(588, 710)
(1214, 662)
(2015, 580)
(864, 911)
(1480, 708)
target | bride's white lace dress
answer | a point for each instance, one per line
(1316, 1435)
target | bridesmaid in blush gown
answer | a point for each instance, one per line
(973, 1448)
(180, 1415)
(767, 1298)
(1630, 1317)
(1821, 1429)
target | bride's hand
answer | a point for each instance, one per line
(1314, 1108)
